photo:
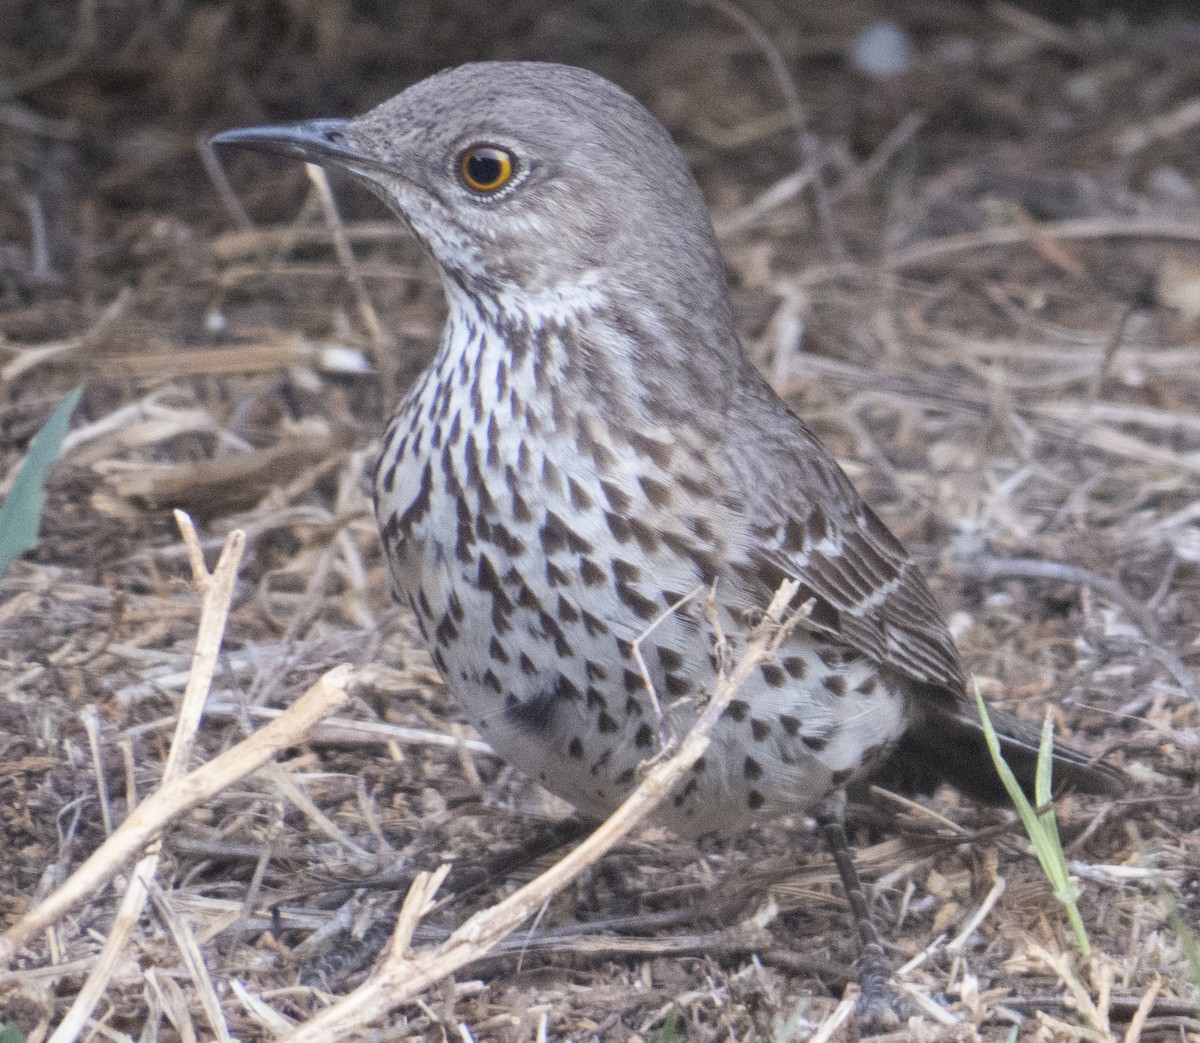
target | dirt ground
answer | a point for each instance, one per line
(997, 331)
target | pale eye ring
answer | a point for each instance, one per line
(486, 169)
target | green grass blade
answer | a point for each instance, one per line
(1040, 824)
(21, 512)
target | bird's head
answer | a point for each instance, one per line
(525, 178)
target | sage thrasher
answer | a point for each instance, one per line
(591, 445)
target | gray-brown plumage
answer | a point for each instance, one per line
(591, 445)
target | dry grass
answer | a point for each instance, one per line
(1007, 361)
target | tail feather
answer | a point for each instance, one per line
(950, 746)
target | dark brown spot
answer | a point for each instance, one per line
(669, 658)
(594, 671)
(840, 778)
(646, 535)
(595, 627)
(533, 423)
(591, 573)
(567, 612)
(836, 683)
(700, 765)
(737, 710)
(506, 541)
(639, 604)
(658, 493)
(524, 460)
(759, 729)
(566, 689)
(446, 632)
(493, 682)
(796, 666)
(618, 526)
(617, 498)
(575, 748)
(595, 698)
(497, 651)
(625, 572)
(644, 737)
(580, 499)
(589, 444)
(606, 723)
(625, 778)
(488, 579)
(471, 458)
(527, 665)
(659, 452)
(557, 535)
(555, 576)
(866, 686)
(703, 531)
(634, 682)
(493, 441)
(552, 630)
(752, 769)
(677, 685)
(773, 674)
(533, 714)
(755, 800)
(632, 707)
(418, 508)
(466, 534)
(814, 742)
(684, 793)
(791, 724)
(696, 486)
(526, 598)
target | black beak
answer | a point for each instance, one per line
(314, 141)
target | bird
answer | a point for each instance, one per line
(591, 446)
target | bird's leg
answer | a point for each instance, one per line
(346, 955)
(878, 1002)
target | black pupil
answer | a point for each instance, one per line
(485, 167)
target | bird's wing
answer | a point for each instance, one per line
(808, 523)
(864, 589)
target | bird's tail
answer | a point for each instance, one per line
(949, 746)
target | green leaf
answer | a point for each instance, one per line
(11, 1034)
(21, 511)
(1040, 824)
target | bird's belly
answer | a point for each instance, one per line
(549, 613)
(547, 674)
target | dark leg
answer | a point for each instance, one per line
(344, 955)
(878, 1003)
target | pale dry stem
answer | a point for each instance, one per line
(216, 591)
(180, 792)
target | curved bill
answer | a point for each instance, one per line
(314, 141)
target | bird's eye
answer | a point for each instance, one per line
(486, 168)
